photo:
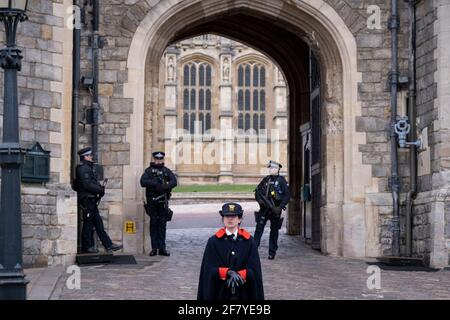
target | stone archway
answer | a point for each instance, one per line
(345, 230)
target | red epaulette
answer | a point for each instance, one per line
(220, 233)
(244, 233)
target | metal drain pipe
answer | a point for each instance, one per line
(394, 181)
(76, 83)
(75, 89)
(412, 135)
(95, 66)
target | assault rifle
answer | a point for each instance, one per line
(266, 202)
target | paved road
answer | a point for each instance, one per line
(298, 272)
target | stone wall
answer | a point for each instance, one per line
(44, 89)
(374, 61)
(113, 147)
(433, 90)
(426, 40)
(441, 155)
(447, 228)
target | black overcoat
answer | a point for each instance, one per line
(222, 254)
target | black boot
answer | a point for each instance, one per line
(91, 250)
(114, 247)
(164, 252)
(154, 252)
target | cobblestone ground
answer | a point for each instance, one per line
(298, 272)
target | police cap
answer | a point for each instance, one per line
(274, 164)
(159, 155)
(231, 209)
(85, 151)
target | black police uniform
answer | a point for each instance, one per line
(231, 268)
(89, 193)
(158, 181)
(273, 188)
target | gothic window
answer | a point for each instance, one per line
(186, 99)
(186, 75)
(240, 100)
(208, 122)
(193, 74)
(208, 99)
(186, 121)
(262, 121)
(247, 76)
(241, 76)
(197, 96)
(251, 96)
(247, 100)
(208, 76)
(241, 120)
(201, 99)
(193, 94)
(192, 124)
(262, 100)
(247, 121)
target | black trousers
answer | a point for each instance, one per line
(158, 224)
(274, 231)
(92, 220)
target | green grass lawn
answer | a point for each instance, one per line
(216, 188)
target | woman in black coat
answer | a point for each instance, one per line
(231, 268)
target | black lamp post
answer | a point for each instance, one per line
(12, 279)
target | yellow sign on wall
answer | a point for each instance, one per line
(130, 227)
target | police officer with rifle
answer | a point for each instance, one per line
(90, 192)
(158, 182)
(272, 195)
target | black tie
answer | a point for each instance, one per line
(230, 237)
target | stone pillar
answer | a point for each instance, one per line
(170, 110)
(279, 144)
(440, 239)
(439, 257)
(279, 147)
(225, 119)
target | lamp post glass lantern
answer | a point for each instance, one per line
(14, 5)
(12, 279)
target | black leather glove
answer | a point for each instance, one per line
(234, 279)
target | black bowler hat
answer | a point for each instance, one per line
(85, 151)
(231, 209)
(159, 155)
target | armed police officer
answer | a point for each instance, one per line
(90, 191)
(159, 182)
(272, 195)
